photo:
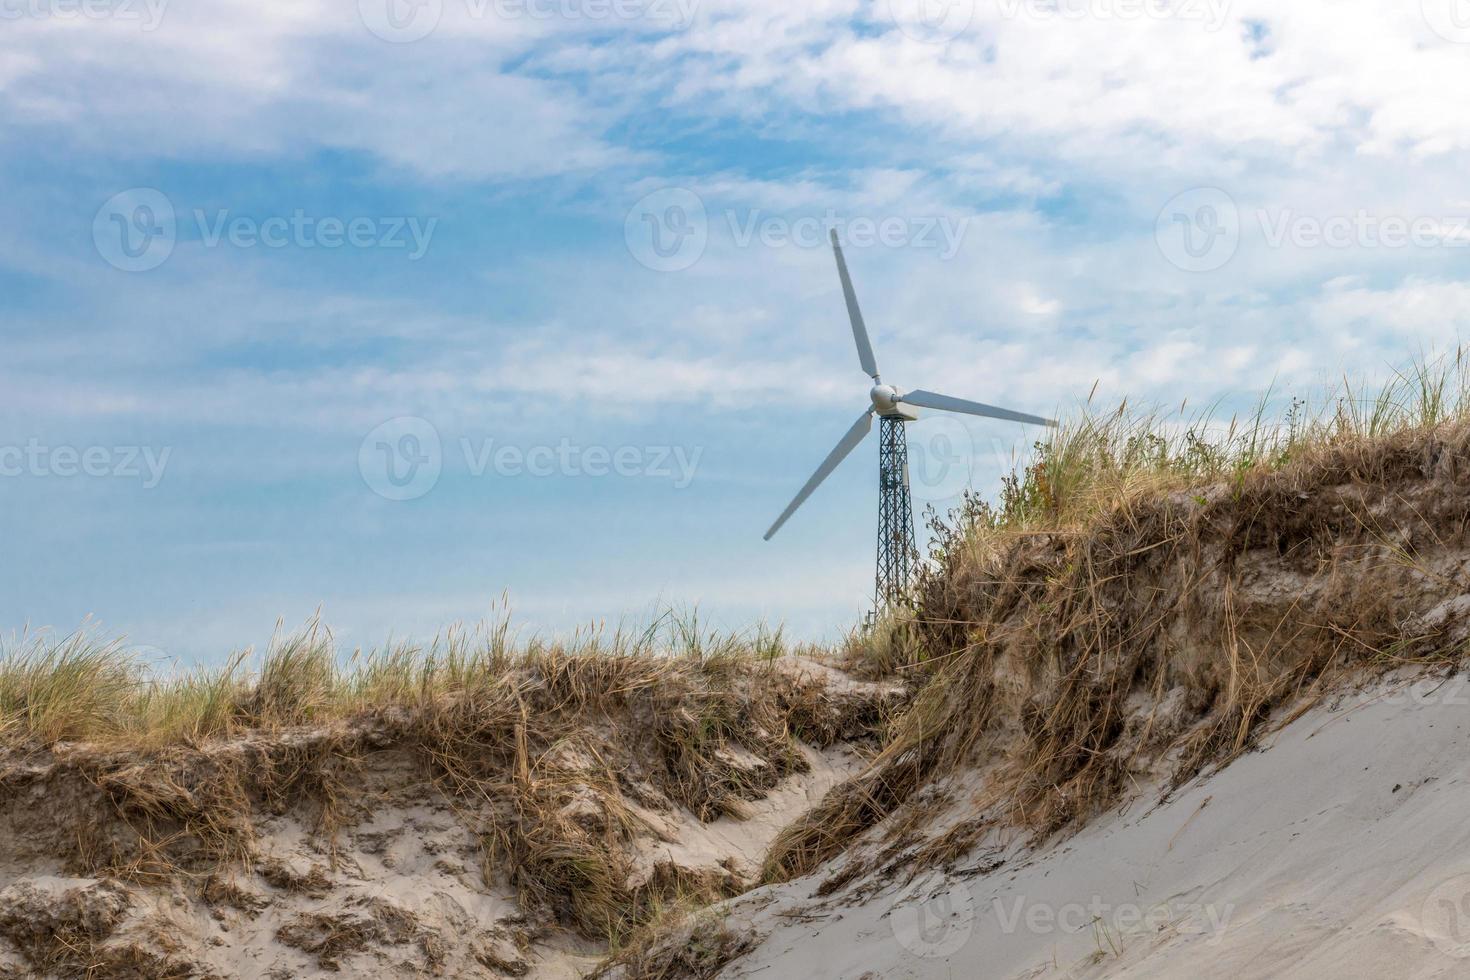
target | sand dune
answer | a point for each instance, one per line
(517, 830)
(1339, 849)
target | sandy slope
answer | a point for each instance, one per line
(398, 888)
(1342, 849)
(398, 894)
(343, 849)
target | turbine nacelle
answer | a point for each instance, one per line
(888, 402)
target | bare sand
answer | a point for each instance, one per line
(1339, 849)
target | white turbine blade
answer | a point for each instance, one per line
(855, 435)
(928, 399)
(859, 331)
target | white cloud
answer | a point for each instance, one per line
(1397, 319)
(1030, 301)
(487, 96)
(235, 79)
(1084, 126)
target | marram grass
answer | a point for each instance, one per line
(1099, 460)
(1147, 595)
(83, 687)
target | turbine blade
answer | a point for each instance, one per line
(859, 330)
(929, 399)
(855, 435)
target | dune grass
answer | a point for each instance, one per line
(1103, 461)
(544, 747)
(1099, 460)
(1149, 590)
(85, 687)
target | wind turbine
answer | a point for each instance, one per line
(894, 408)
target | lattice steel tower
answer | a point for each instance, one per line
(896, 551)
(897, 556)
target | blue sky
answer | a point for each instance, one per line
(253, 253)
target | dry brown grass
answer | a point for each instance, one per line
(1140, 602)
(547, 750)
(86, 688)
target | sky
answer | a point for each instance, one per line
(407, 310)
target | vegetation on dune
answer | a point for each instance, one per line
(1142, 597)
(1101, 461)
(84, 688)
(548, 750)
